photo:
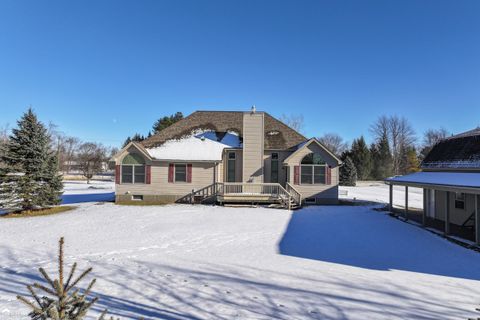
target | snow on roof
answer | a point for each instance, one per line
(230, 138)
(189, 148)
(456, 179)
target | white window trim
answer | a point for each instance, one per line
(234, 167)
(460, 199)
(175, 172)
(278, 166)
(313, 174)
(133, 173)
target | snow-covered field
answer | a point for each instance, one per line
(203, 262)
(378, 192)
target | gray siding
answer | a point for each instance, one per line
(202, 176)
(321, 192)
(282, 170)
(457, 216)
(253, 144)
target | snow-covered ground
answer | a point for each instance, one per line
(203, 262)
(378, 192)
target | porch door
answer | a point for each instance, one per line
(431, 203)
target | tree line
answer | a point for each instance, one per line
(395, 150)
(158, 126)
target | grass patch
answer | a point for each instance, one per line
(39, 212)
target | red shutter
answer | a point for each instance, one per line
(296, 175)
(117, 174)
(148, 174)
(170, 172)
(329, 175)
(189, 173)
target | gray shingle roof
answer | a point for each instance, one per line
(459, 151)
(225, 121)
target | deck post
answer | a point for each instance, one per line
(424, 212)
(406, 202)
(447, 213)
(477, 221)
(390, 203)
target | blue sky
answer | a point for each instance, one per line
(102, 70)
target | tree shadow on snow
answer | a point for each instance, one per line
(92, 197)
(359, 237)
(158, 291)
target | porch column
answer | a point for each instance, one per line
(447, 213)
(406, 202)
(390, 205)
(424, 212)
(477, 220)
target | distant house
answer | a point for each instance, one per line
(226, 157)
(450, 179)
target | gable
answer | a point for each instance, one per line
(312, 146)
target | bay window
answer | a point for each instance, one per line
(133, 169)
(313, 169)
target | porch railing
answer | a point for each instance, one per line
(296, 195)
(276, 191)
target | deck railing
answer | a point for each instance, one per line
(296, 195)
(271, 190)
(267, 189)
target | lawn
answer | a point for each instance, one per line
(201, 262)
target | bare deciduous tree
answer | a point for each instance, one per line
(430, 138)
(294, 121)
(334, 143)
(400, 134)
(90, 158)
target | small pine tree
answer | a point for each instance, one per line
(30, 175)
(348, 173)
(360, 155)
(63, 301)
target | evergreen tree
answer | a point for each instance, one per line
(30, 176)
(348, 173)
(137, 137)
(412, 161)
(166, 121)
(360, 155)
(382, 159)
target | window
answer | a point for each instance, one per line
(231, 167)
(274, 168)
(137, 197)
(133, 174)
(180, 172)
(459, 200)
(127, 174)
(307, 175)
(133, 169)
(139, 174)
(313, 169)
(311, 200)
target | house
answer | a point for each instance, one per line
(450, 179)
(223, 156)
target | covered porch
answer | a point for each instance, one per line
(450, 202)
